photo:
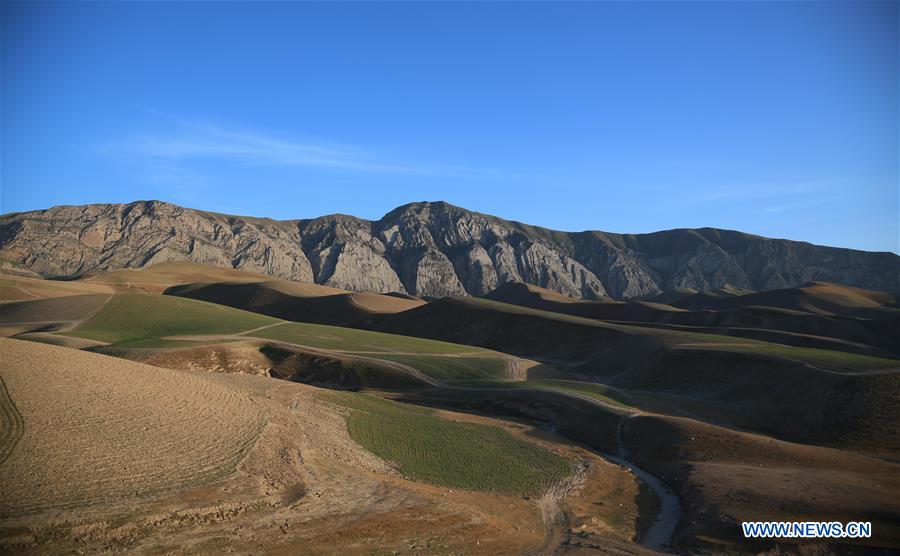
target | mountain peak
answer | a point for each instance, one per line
(428, 248)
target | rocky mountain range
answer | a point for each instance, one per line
(429, 249)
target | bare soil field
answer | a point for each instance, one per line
(99, 429)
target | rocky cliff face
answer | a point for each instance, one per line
(432, 249)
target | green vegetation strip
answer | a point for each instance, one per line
(160, 343)
(590, 389)
(453, 368)
(822, 358)
(130, 318)
(447, 453)
(350, 339)
(11, 423)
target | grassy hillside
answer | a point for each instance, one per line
(62, 309)
(609, 347)
(136, 318)
(348, 339)
(589, 389)
(453, 368)
(462, 455)
(822, 358)
(746, 316)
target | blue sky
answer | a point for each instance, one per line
(773, 118)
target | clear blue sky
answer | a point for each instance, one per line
(774, 118)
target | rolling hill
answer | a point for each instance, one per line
(156, 278)
(861, 321)
(298, 302)
(814, 297)
(789, 392)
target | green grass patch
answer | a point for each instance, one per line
(446, 453)
(350, 339)
(590, 389)
(160, 343)
(821, 358)
(453, 368)
(134, 318)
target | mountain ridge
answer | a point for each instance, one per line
(427, 248)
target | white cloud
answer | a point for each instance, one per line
(752, 192)
(794, 206)
(189, 141)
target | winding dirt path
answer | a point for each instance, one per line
(660, 532)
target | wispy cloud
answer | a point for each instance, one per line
(794, 206)
(761, 192)
(191, 141)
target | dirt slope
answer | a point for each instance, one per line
(725, 477)
(99, 429)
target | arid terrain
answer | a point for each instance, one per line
(184, 408)
(450, 278)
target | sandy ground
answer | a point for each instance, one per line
(117, 455)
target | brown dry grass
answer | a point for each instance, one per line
(822, 298)
(100, 430)
(156, 278)
(384, 304)
(20, 288)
